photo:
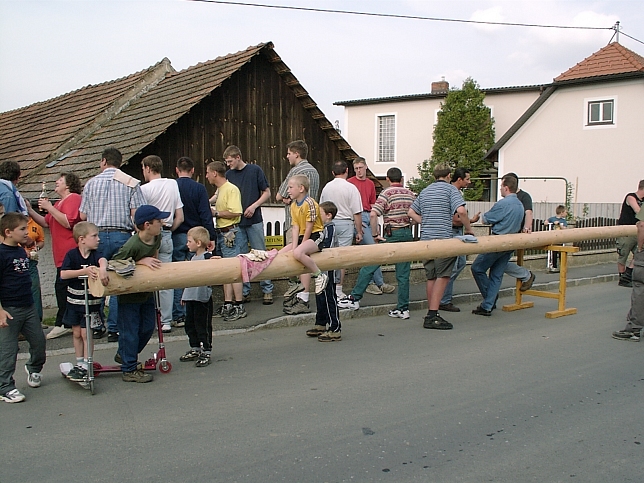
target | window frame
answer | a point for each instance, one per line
(378, 119)
(601, 102)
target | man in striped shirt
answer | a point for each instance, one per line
(433, 210)
(393, 205)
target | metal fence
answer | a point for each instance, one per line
(583, 215)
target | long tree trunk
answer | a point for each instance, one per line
(228, 270)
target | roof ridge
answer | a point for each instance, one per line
(255, 48)
(155, 74)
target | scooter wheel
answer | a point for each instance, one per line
(165, 366)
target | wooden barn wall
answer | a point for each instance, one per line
(254, 110)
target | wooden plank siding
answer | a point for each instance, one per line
(255, 110)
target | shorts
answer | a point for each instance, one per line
(439, 267)
(626, 245)
(314, 236)
(75, 317)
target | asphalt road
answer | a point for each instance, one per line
(511, 398)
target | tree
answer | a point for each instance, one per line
(463, 134)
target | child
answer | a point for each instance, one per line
(80, 261)
(557, 222)
(198, 302)
(306, 223)
(137, 312)
(327, 300)
(17, 310)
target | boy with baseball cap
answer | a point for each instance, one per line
(137, 310)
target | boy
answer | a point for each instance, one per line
(82, 261)
(137, 312)
(558, 222)
(327, 300)
(307, 226)
(198, 303)
(17, 310)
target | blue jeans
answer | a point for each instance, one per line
(25, 320)
(489, 285)
(461, 261)
(344, 232)
(402, 272)
(166, 297)
(253, 235)
(367, 239)
(514, 270)
(180, 253)
(111, 242)
(135, 325)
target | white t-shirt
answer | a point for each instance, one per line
(164, 194)
(345, 196)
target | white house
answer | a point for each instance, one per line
(586, 128)
(397, 131)
(575, 129)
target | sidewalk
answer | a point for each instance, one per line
(271, 316)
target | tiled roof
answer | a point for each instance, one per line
(70, 132)
(417, 97)
(35, 134)
(610, 60)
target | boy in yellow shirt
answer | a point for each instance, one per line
(308, 225)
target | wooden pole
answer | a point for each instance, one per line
(228, 270)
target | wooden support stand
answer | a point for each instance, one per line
(560, 296)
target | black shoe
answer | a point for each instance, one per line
(112, 337)
(77, 374)
(99, 333)
(117, 358)
(481, 311)
(527, 285)
(623, 282)
(450, 307)
(436, 322)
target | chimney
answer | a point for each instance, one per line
(440, 87)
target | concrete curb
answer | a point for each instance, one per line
(346, 314)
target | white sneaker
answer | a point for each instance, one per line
(13, 396)
(166, 328)
(349, 303)
(321, 282)
(58, 332)
(373, 289)
(34, 379)
(400, 314)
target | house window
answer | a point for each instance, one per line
(386, 139)
(601, 112)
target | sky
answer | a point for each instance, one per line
(51, 47)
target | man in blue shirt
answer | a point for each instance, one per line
(506, 217)
(196, 212)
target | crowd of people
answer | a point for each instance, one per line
(116, 217)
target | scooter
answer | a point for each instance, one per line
(95, 368)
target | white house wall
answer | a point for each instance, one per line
(602, 162)
(415, 126)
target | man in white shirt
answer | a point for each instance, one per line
(163, 193)
(349, 218)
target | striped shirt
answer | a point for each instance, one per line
(393, 204)
(436, 205)
(305, 168)
(306, 211)
(107, 202)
